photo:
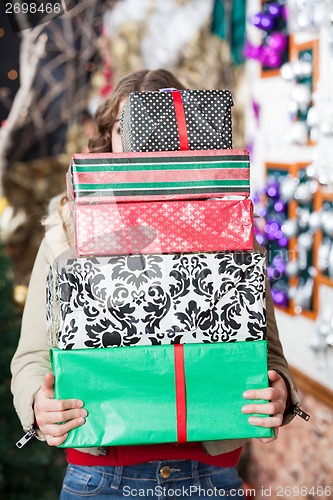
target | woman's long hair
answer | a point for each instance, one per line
(106, 114)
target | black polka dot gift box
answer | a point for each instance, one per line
(177, 120)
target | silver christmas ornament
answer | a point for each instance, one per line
(312, 117)
(315, 220)
(312, 271)
(302, 69)
(292, 268)
(287, 71)
(323, 254)
(288, 186)
(311, 171)
(298, 134)
(304, 294)
(304, 20)
(329, 340)
(304, 193)
(330, 263)
(327, 222)
(318, 344)
(323, 329)
(302, 259)
(303, 217)
(326, 128)
(293, 109)
(301, 93)
(304, 241)
(314, 134)
(289, 228)
(320, 12)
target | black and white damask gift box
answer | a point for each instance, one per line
(177, 120)
(156, 299)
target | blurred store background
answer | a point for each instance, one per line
(276, 57)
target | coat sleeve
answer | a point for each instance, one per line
(276, 358)
(31, 360)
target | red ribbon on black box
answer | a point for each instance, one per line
(181, 120)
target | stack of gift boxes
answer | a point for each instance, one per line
(158, 321)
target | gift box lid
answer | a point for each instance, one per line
(158, 175)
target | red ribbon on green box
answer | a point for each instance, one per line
(180, 393)
(161, 394)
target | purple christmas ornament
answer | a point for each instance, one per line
(284, 13)
(277, 41)
(279, 264)
(262, 212)
(262, 20)
(272, 189)
(280, 298)
(271, 57)
(283, 242)
(251, 51)
(274, 226)
(274, 9)
(256, 110)
(256, 198)
(280, 206)
(270, 272)
(261, 239)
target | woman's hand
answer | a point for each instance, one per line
(49, 411)
(276, 395)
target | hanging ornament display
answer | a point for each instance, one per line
(272, 52)
(321, 342)
(308, 15)
(298, 134)
(290, 223)
(302, 70)
(288, 186)
(327, 220)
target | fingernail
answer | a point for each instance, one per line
(254, 420)
(83, 413)
(81, 420)
(80, 403)
(246, 394)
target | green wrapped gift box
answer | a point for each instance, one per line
(161, 394)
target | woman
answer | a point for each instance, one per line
(130, 470)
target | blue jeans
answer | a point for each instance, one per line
(157, 480)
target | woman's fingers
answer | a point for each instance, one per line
(55, 441)
(56, 405)
(60, 431)
(273, 421)
(57, 434)
(269, 393)
(56, 417)
(270, 408)
(273, 408)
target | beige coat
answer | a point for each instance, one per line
(31, 360)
